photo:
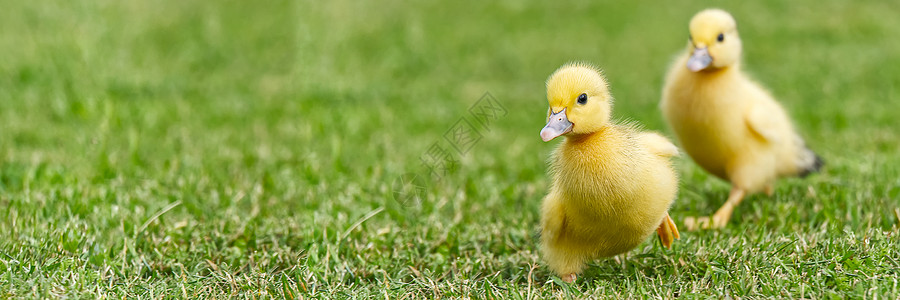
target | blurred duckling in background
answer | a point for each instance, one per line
(726, 122)
(612, 184)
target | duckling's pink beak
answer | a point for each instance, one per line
(699, 60)
(557, 125)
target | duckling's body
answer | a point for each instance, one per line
(727, 123)
(612, 184)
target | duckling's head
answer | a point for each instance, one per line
(580, 102)
(714, 41)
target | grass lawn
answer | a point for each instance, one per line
(209, 149)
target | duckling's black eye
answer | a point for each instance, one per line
(720, 38)
(582, 99)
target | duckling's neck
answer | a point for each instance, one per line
(586, 148)
(707, 81)
(718, 72)
(580, 139)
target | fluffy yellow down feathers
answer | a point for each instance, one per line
(727, 123)
(612, 184)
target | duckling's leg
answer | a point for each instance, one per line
(565, 265)
(721, 217)
(562, 259)
(667, 231)
(770, 189)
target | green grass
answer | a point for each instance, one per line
(231, 148)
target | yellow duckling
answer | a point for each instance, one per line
(612, 184)
(726, 122)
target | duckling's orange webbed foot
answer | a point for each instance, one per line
(667, 231)
(569, 278)
(697, 223)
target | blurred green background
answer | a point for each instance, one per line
(236, 148)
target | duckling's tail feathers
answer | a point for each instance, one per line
(815, 166)
(667, 231)
(806, 161)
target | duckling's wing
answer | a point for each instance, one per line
(657, 144)
(553, 218)
(764, 122)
